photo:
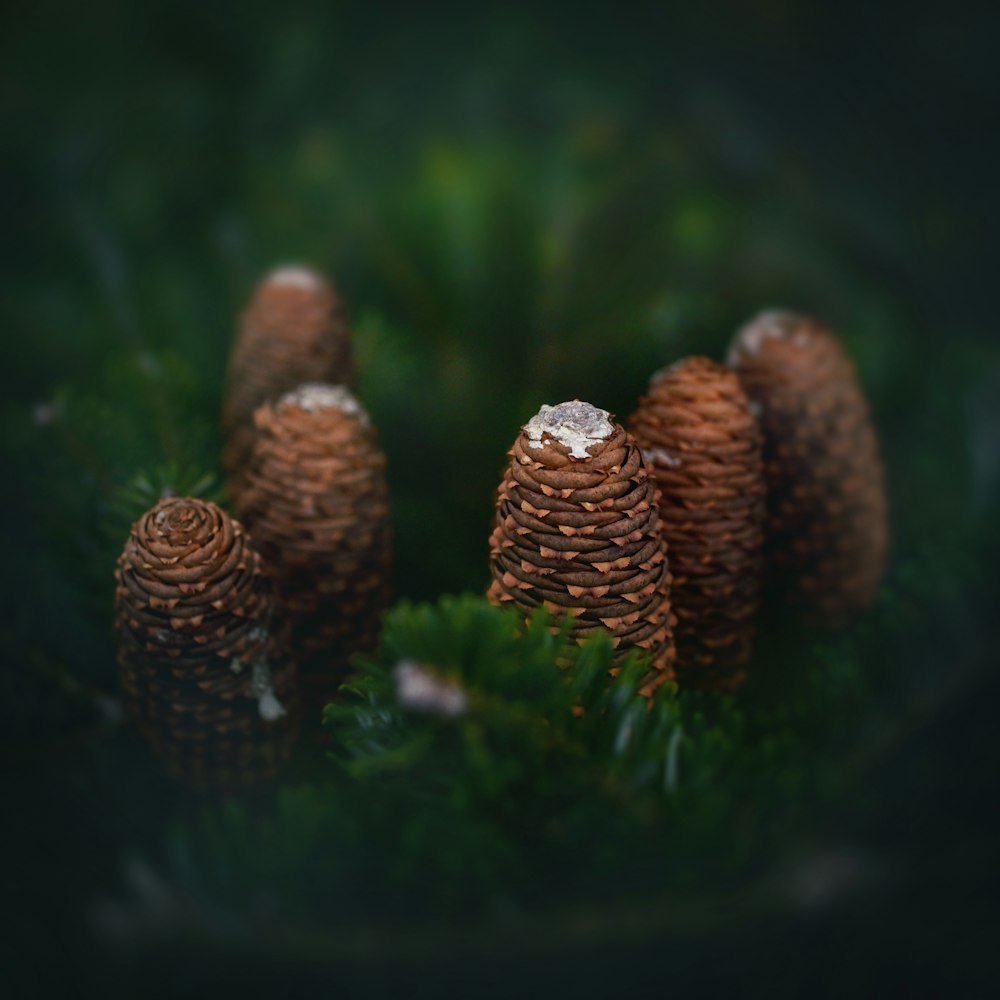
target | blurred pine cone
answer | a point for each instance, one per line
(198, 664)
(703, 445)
(315, 497)
(294, 330)
(826, 509)
(578, 531)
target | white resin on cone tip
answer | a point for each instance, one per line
(576, 425)
(771, 324)
(315, 397)
(296, 276)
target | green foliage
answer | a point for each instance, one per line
(518, 764)
(539, 714)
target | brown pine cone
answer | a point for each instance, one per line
(578, 531)
(703, 445)
(315, 497)
(294, 330)
(199, 668)
(826, 509)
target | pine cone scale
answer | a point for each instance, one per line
(293, 331)
(315, 496)
(826, 520)
(178, 634)
(702, 443)
(577, 532)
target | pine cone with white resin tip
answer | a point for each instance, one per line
(315, 497)
(198, 665)
(294, 330)
(703, 445)
(578, 532)
(826, 509)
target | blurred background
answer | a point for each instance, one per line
(520, 205)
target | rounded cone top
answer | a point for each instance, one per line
(181, 539)
(695, 366)
(574, 424)
(295, 276)
(315, 397)
(188, 563)
(771, 324)
(179, 521)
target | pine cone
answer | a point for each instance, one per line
(315, 497)
(826, 510)
(294, 330)
(198, 665)
(578, 531)
(703, 445)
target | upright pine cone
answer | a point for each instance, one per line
(198, 664)
(703, 445)
(293, 331)
(578, 531)
(315, 497)
(826, 509)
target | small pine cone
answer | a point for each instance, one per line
(197, 661)
(826, 509)
(294, 330)
(315, 497)
(703, 445)
(578, 531)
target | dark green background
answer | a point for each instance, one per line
(520, 206)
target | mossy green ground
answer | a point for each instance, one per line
(504, 237)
